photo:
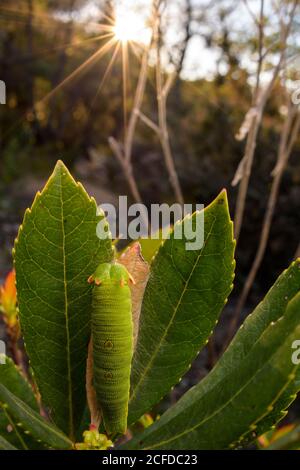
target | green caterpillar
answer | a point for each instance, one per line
(112, 335)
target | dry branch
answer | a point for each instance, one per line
(260, 98)
(162, 92)
(288, 138)
(124, 156)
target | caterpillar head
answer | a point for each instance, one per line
(107, 272)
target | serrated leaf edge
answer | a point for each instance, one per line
(61, 168)
(221, 196)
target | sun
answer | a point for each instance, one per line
(129, 26)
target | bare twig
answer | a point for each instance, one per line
(149, 123)
(187, 35)
(251, 12)
(288, 138)
(163, 126)
(127, 169)
(140, 90)
(260, 26)
(163, 90)
(124, 156)
(169, 83)
(260, 100)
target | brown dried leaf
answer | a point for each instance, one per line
(90, 390)
(139, 269)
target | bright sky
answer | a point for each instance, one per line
(200, 61)
(132, 15)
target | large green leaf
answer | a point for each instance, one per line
(55, 252)
(32, 422)
(269, 310)
(14, 381)
(183, 299)
(244, 389)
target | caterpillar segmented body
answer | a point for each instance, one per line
(112, 335)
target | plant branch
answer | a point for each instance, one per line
(162, 91)
(288, 138)
(124, 155)
(260, 99)
(164, 134)
(149, 122)
(139, 94)
(127, 169)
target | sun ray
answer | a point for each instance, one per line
(25, 13)
(83, 67)
(103, 80)
(46, 21)
(49, 51)
(70, 45)
(124, 80)
(104, 27)
(136, 50)
(108, 18)
(24, 21)
(8, 15)
(107, 72)
(128, 31)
